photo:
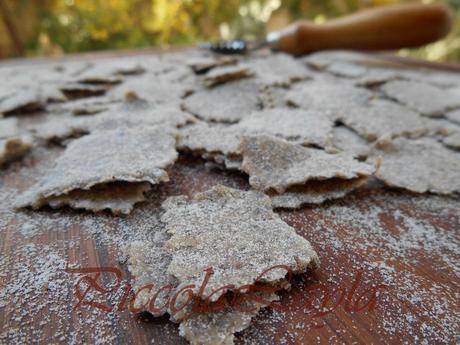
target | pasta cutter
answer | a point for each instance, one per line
(385, 28)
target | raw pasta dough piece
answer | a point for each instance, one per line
(300, 126)
(110, 71)
(9, 127)
(131, 114)
(432, 77)
(220, 327)
(84, 106)
(273, 97)
(378, 76)
(117, 197)
(26, 99)
(421, 165)
(441, 128)
(453, 140)
(242, 242)
(14, 148)
(346, 69)
(384, 118)
(428, 100)
(327, 97)
(315, 192)
(275, 164)
(229, 102)
(207, 138)
(237, 234)
(99, 75)
(61, 127)
(216, 143)
(323, 59)
(80, 90)
(221, 75)
(205, 63)
(346, 140)
(454, 116)
(151, 88)
(97, 161)
(148, 263)
(137, 113)
(278, 70)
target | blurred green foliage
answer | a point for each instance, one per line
(57, 26)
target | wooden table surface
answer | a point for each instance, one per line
(399, 250)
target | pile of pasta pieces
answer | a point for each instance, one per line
(303, 131)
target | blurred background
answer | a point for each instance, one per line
(56, 27)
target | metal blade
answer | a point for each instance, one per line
(226, 47)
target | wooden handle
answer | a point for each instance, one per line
(385, 28)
